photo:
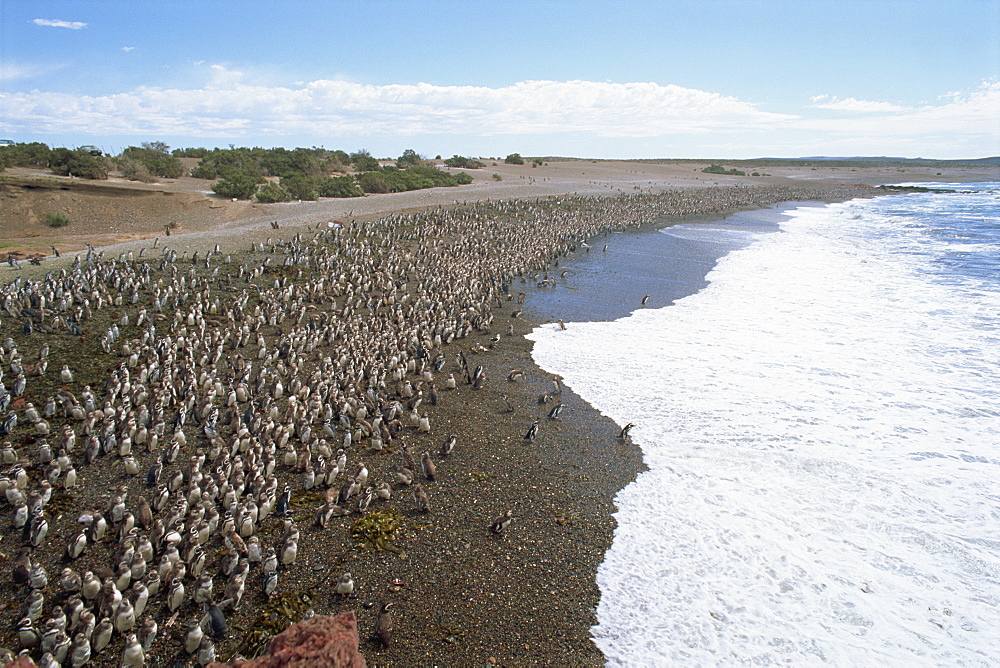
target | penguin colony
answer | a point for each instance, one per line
(225, 389)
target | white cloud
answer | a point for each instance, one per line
(58, 23)
(126, 49)
(956, 113)
(323, 108)
(852, 104)
(650, 118)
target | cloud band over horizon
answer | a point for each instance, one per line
(326, 109)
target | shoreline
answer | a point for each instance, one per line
(129, 214)
(463, 595)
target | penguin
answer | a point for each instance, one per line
(33, 605)
(427, 466)
(73, 610)
(22, 565)
(38, 578)
(449, 445)
(147, 633)
(289, 552)
(125, 616)
(420, 499)
(79, 651)
(270, 583)
(27, 635)
(283, 507)
(554, 413)
(39, 529)
(101, 636)
(203, 588)
(532, 431)
(623, 434)
(217, 620)
(138, 596)
(133, 655)
(206, 652)
(70, 581)
(193, 636)
(383, 624)
(270, 561)
(175, 596)
(90, 586)
(645, 299)
(345, 585)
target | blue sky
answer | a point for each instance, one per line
(727, 79)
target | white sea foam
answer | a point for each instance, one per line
(821, 425)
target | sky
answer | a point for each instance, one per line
(630, 79)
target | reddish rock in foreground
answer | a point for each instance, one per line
(318, 642)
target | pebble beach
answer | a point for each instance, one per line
(259, 376)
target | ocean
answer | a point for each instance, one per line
(816, 392)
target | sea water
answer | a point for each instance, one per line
(821, 422)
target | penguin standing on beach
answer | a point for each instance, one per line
(420, 499)
(383, 624)
(501, 523)
(532, 431)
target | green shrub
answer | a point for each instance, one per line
(299, 186)
(270, 193)
(463, 162)
(205, 171)
(497, 177)
(374, 182)
(56, 219)
(190, 152)
(719, 169)
(65, 162)
(362, 161)
(338, 186)
(134, 171)
(239, 185)
(410, 158)
(156, 159)
(462, 178)
(514, 159)
(33, 154)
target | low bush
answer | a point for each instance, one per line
(270, 193)
(135, 171)
(299, 186)
(240, 186)
(56, 219)
(65, 162)
(374, 182)
(719, 169)
(463, 162)
(338, 186)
